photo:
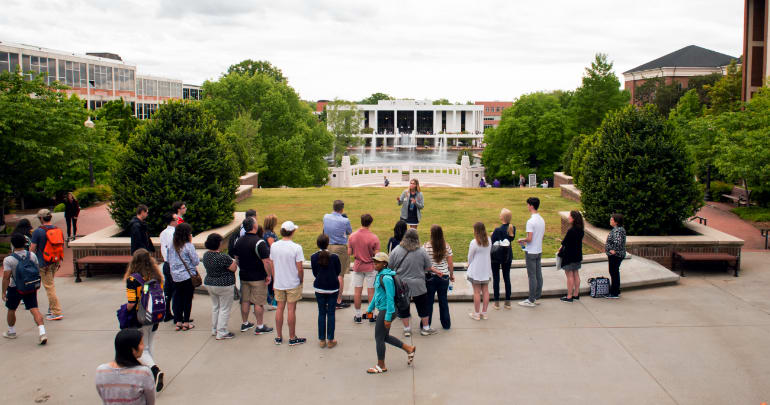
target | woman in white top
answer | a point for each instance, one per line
(479, 269)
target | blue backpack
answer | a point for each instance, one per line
(27, 274)
(151, 306)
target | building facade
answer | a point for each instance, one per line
(755, 36)
(493, 110)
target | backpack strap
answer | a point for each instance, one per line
(256, 248)
(138, 277)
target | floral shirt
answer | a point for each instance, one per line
(616, 241)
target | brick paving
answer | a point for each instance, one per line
(91, 219)
(720, 217)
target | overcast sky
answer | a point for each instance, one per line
(460, 50)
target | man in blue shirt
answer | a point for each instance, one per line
(48, 269)
(337, 228)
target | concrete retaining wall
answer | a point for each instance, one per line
(250, 179)
(560, 178)
(570, 192)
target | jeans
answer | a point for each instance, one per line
(168, 288)
(183, 295)
(439, 285)
(146, 357)
(506, 268)
(535, 276)
(221, 303)
(72, 223)
(327, 304)
(382, 336)
(614, 263)
(47, 277)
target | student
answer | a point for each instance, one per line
(268, 234)
(166, 240)
(363, 245)
(71, 212)
(522, 181)
(534, 252)
(253, 257)
(179, 208)
(615, 248)
(326, 270)
(249, 214)
(398, 233)
(337, 226)
(219, 282)
(125, 380)
(137, 228)
(386, 182)
(479, 270)
(144, 265)
(11, 294)
(502, 237)
(571, 254)
(385, 291)
(183, 261)
(51, 238)
(412, 203)
(287, 258)
(441, 259)
(24, 227)
(411, 262)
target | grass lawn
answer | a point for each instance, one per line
(755, 214)
(454, 209)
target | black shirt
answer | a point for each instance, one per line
(140, 238)
(412, 210)
(326, 276)
(501, 233)
(572, 246)
(252, 268)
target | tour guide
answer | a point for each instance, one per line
(411, 203)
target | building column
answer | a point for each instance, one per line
(375, 121)
(455, 127)
(414, 124)
(395, 122)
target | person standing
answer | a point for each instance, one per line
(479, 270)
(166, 240)
(287, 258)
(441, 260)
(502, 256)
(250, 213)
(411, 262)
(326, 270)
(144, 266)
(11, 294)
(24, 227)
(337, 227)
(571, 255)
(219, 282)
(269, 236)
(253, 257)
(533, 244)
(522, 181)
(48, 245)
(383, 301)
(183, 261)
(180, 209)
(71, 212)
(363, 245)
(137, 228)
(412, 203)
(615, 248)
(125, 380)
(386, 181)
(398, 233)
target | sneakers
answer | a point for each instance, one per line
(43, 339)
(496, 306)
(613, 297)
(264, 329)
(526, 303)
(474, 316)
(9, 335)
(407, 332)
(484, 316)
(246, 326)
(53, 317)
(508, 305)
(577, 297)
(297, 341)
(158, 375)
(229, 335)
(358, 319)
(428, 332)
(278, 341)
(565, 299)
(331, 344)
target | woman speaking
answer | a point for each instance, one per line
(411, 203)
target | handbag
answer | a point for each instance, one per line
(500, 251)
(196, 279)
(558, 262)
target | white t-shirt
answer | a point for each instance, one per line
(166, 240)
(536, 225)
(285, 254)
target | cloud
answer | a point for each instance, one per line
(210, 8)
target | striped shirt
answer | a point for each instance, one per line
(125, 385)
(443, 267)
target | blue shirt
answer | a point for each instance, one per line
(337, 228)
(178, 271)
(39, 238)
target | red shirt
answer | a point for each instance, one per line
(179, 219)
(363, 244)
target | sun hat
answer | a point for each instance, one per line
(289, 226)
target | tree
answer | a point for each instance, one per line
(725, 95)
(598, 94)
(374, 98)
(698, 132)
(441, 101)
(119, 118)
(243, 138)
(252, 67)
(699, 83)
(344, 122)
(178, 155)
(640, 169)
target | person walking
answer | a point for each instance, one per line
(48, 245)
(268, 234)
(412, 203)
(533, 246)
(398, 233)
(219, 282)
(137, 229)
(166, 241)
(383, 301)
(12, 296)
(337, 226)
(522, 181)
(71, 212)
(502, 256)
(326, 270)
(363, 244)
(479, 270)
(252, 254)
(571, 255)
(125, 380)
(615, 248)
(411, 262)
(183, 261)
(141, 271)
(441, 260)
(24, 228)
(287, 258)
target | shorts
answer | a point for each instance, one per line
(364, 278)
(478, 282)
(342, 252)
(14, 298)
(293, 295)
(423, 305)
(254, 292)
(572, 266)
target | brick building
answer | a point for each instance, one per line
(493, 111)
(755, 27)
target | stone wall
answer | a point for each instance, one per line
(243, 192)
(560, 178)
(250, 179)
(570, 192)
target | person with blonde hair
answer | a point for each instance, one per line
(502, 256)
(479, 270)
(412, 203)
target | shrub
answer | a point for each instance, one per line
(59, 207)
(87, 196)
(581, 156)
(718, 188)
(754, 214)
(638, 168)
(179, 155)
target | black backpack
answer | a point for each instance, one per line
(231, 244)
(401, 297)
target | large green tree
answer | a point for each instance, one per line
(252, 67)
(725, 95)
(243, 138)
(344, 122)
(598, 94)
(119, 117)
(374, 98)
(663, 96)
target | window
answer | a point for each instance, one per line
(176, 90)
(186, 93)
(100, 76)
(150, 87)
(72, 73)
(163, 89)
(9, 62)
(489, 118)
(38, 65)
(125, 79)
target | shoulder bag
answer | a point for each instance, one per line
(195, 278)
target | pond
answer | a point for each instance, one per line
(406, 155)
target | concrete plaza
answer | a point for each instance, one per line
(701, 341)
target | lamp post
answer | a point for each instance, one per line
(90, 124)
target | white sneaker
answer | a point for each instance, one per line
(407, 332)
(43, 339)
(526, 303)
(9, 335)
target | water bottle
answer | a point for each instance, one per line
(451, 286)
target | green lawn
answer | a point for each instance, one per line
(454, 209)
(755, 214)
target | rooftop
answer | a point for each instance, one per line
(689, 56)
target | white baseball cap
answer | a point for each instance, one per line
(289, 226)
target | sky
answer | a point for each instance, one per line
(348, 49)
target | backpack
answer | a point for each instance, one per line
(231, 244)
(600, 287)
(401, 297)
(151, 307)
(27, 274)
(54, 247)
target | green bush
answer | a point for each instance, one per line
(59, 207)
(178, 155)
(639, 169)
(755, 214)
(717, 189)
(581, 156)
(87, 196)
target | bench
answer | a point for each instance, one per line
(738, 196)
(88, 261)
(680, 258)
(765, 232)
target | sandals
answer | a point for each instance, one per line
(188, 327)
(178, 328)
(410, 356)
(376, 370)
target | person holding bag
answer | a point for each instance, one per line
(570, 256)
(502, 256)
(183, 261)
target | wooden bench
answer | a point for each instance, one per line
(88, 261)
(680, 258)
(765, 232)
(739, 196)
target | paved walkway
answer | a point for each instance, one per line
(720, 217)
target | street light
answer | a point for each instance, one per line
(90, 124)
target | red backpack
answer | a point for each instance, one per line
(54, 247)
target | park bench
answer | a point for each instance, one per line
(765, 232)
(738, 196)
(681, 258)
(89, 261)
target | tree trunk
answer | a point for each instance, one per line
(91, 171)
(748, 193)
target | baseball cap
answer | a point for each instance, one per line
(289, 226)
(43, 213)
(381, 257)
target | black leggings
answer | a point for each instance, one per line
(506, 268)
(382, 336)
(183, 296)
(614, 265)
(72, 223)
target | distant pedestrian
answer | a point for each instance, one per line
(411, 262)
(183, 260)
(166, 242)
(412, 203)
(253, 257)
(482, 183)
(533, 246)
(502, 255)
(12, 296)
(326, 270)
(615, 248)
(125, 380)
(363, 244)
(398, 233)
(479, 270)
(571, 255)
(71, 212)
(48, 245)
(386, 182)
(219, 282)
(496, 183)
(287, 258)
(440, 254)
(24, 228)
(180, 209)
(137, 228)
(522, 181)
(337, 227)
(268, 234)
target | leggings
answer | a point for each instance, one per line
(614, 267)
(72, 223)
(382, 336)
(183, 295)
(506, 268)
